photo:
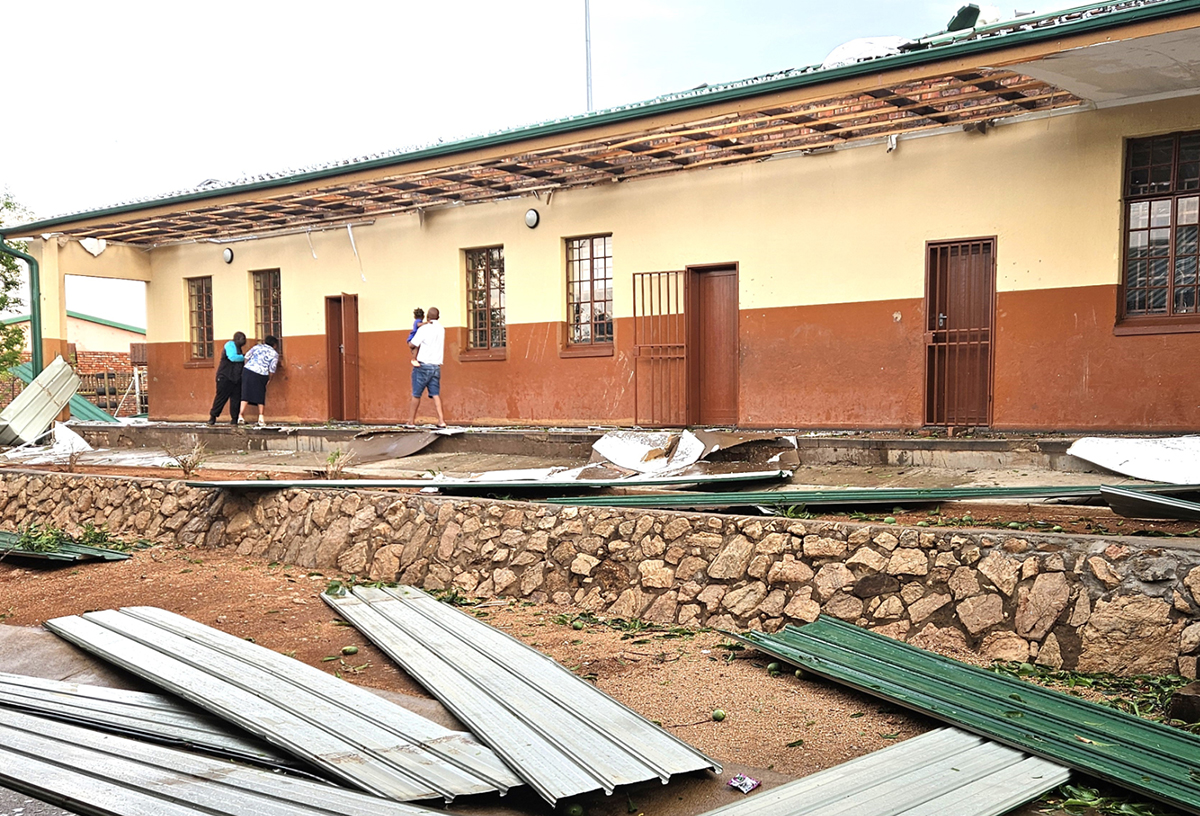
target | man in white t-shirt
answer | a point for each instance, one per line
(428, 346)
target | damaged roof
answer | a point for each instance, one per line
(719, 125)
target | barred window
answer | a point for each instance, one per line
(200, 311)
(1162, 228)
(589, 290)
(485, 299)
(268, 314)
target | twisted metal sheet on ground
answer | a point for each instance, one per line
(946, 771)
(95, 773)
(558, 732)
(135, 713)
(1152, 759)
(353, 734)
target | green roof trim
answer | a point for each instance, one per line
(930, 49)
(1148, 757)
(8, 321)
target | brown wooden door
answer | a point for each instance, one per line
(715, 357)
(660, 348)
(960, 297)
(341, 354)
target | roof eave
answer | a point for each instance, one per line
(632, 113)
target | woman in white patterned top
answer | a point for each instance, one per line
(261, 362)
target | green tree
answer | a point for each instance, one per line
(12, 338)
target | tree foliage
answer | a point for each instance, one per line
(12, 338)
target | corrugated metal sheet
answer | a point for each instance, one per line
(91, 772)
(80, 407)
(38, 404)
(135, 713)
(1152, 759)
(351, 733)
(1140, 504)
(560, 733)
(946, 771)
(10, 547)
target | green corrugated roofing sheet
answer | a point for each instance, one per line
(1152, 759)
(842, 496)
(10, 545)
(80, 407)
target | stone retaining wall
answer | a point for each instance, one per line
(1092, 603)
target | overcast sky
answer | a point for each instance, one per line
(123, 100)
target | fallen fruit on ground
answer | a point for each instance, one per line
(349, 650)
(718, 715)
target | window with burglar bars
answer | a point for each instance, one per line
(1162, 227)
(200, 312)
(589, 290)
(485, 298)
(268, 315)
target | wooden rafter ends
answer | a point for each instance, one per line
(754, 134)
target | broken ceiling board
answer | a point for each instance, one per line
(97, 773)
(1175, 459)
(945, 771)
(1139, 504)
(557, 731)
(351, 733)
(154, 717)
(1152, 759)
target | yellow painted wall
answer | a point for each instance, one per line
(848, 226)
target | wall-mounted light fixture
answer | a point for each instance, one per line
(227, 254)
(532, 218)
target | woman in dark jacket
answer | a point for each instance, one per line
(229, 380)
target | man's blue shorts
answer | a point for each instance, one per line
(427, 375)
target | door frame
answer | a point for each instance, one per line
(692, 306)
(343, 390)
(989, 382)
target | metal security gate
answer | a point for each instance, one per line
(960, 304)
(660, 348)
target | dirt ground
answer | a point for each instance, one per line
(778, 726)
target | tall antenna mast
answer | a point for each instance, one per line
(587, 38)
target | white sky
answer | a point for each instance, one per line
(125, 100)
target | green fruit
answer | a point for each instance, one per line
(577, 625)
(774, 668)
(1056, 529)
(922, 523)
(1014, 525)
(575, 810)
(349, 650)
(890, 520)
(718, 715)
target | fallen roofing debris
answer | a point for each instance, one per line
(102, 773)
(1140, 504)
(30, 414)
(155, 717)
(1152, 759)
(81, 409)
(356, 736)
(535, 478)
(1175, 460)
(558, 732)
(835, 497)
(620, 454)
(946, 771)
(11, 546)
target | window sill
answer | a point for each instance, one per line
(1189, 325)
(596, 350)
(209, 363)
(482, 355)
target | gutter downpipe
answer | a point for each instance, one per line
(35, 302)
